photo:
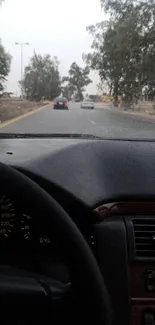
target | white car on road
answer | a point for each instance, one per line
(87, 103)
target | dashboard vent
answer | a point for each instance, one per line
(144, 233)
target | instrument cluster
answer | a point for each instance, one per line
(17, 226)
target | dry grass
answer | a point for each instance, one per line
(11, 108)
(144, 106)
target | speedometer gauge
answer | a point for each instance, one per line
(7, 216)
(25, 227)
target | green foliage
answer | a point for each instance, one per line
(124, 47)
(95, 98)
(41, 78)
(77, 80)
(67, 91)
(5, 63)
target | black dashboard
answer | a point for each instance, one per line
(108, 189)
(93, 171)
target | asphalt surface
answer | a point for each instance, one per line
(99, 122)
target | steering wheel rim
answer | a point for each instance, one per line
(18, 184)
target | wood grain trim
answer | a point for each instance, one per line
(137, 313)
(142, 301)
(124, 208)
(137, 280)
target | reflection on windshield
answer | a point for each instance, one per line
(56, 62)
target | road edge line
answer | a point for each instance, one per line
(20, 117)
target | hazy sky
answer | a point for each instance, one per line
(57, 27)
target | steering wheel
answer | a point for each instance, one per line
(31, 194)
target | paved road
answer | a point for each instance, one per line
(101, 122)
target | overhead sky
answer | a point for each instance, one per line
(57, 27)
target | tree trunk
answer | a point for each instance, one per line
(116, 93)
(110, 90)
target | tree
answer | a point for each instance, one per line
(124, 47)
(5, 63)
(95, 98)
(78, 79)
(41, 78)
(68, 91)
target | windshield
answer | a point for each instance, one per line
(57, 55)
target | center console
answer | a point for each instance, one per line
(124, 238)
(141, 231)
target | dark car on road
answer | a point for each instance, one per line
(60, 103)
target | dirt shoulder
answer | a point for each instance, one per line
(11, 108)
(145, 111)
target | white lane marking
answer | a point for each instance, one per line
(92, 122)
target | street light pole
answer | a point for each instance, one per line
(21, 49)
(21, 61)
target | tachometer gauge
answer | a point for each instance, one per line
(25, 225)
(7, 216)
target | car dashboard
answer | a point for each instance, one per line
(25, 243)
(108, 189)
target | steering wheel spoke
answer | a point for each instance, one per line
(32, 287)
